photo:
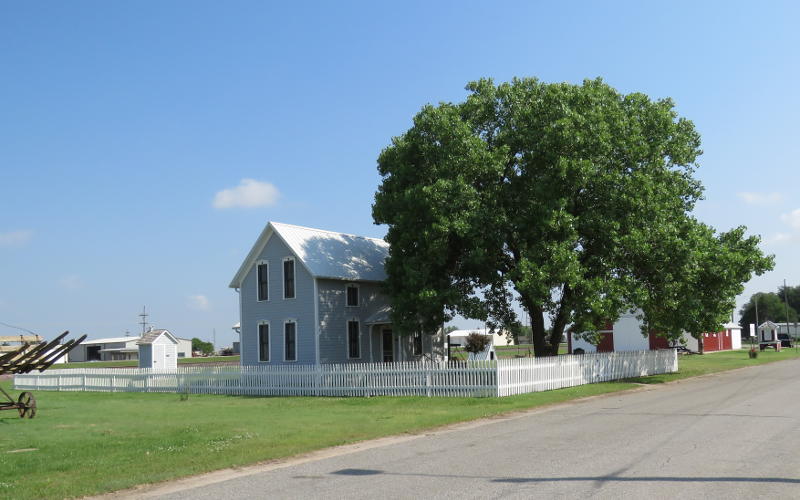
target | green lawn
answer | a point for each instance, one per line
(89, 443)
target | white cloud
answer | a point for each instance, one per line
(71, 282)
(779, 238)
(249, 193)
(15, 238)
(792, 218)
(754, 198)
(198, 302)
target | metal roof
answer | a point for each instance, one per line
(110, 340)
(381, 316)
(326, 254)
(152, 335)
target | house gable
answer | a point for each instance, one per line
(277, 310)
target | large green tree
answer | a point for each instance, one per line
(792, 294)
(770, 308)
(695, 292)
(571, 199)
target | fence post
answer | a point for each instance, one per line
(428, 381)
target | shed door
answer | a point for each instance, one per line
(158, 356)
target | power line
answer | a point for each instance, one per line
(18, 328)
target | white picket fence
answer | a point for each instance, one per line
(472, 378)
(518, 376)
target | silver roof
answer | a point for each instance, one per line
(326, 254)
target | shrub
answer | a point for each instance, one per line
(476, 342)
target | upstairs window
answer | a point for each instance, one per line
(288, 278)
(290, 341)
(352, 295)
(263, 281)
(353, 339)
(263, 342)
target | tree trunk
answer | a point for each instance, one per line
(538, 332)
(555, 339)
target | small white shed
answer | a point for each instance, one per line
(158, 349)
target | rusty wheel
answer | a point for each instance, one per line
(26, 405)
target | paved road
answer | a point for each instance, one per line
(733, 435)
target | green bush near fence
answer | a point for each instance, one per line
(83, 443)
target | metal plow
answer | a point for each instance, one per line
(27, 358)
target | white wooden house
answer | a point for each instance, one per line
(310, 296)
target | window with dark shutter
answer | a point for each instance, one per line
(263, 342)
(353, 340)
(290, 341)
(352, 295)
(288, 279)
(263, 287)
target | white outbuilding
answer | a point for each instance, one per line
(158, 349)
(499, 338)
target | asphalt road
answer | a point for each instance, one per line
(731, 435)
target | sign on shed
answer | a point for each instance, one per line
(158, 349)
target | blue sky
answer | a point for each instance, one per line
(123, 125)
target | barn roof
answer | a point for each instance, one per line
(326, 254)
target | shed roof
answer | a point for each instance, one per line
(326, 254)
(153, 335)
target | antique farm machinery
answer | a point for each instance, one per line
(32, 354)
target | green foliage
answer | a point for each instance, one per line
(793, 294)
(770, 308)
(201, 346)
(568, 198)
(476, 342)
(694, 290)
(450, 329)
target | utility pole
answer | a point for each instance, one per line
(758, 333)
(144, 322)
(786, 308)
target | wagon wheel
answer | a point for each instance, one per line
(26, 405)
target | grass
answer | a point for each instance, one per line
(89, 443)
(134, 363)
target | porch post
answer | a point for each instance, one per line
(371, 353)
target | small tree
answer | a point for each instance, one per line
(476, 342)
(201, 346)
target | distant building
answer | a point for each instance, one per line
(793, 329)
(119, 349)
(625, 334)
(459, 337)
